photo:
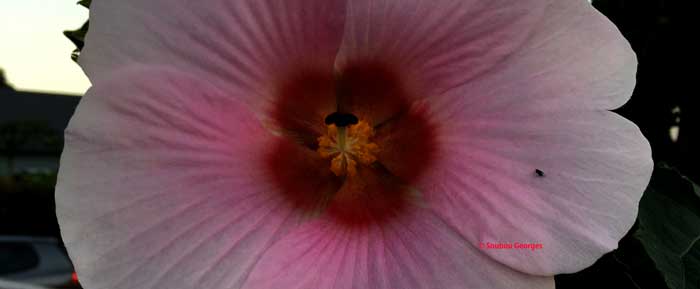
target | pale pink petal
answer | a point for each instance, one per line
(162, 185)
(551, 46)
(243, 45)
(416, 250)
(595, 166)
(544, 109)
(574, 58)
(439, 44)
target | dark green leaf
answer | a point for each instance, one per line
(669, 227)
(627, 267)
(692, 260)
(85, 3)
(78, 38)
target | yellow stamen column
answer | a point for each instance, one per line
(348, 146)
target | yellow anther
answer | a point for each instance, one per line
(348, 146)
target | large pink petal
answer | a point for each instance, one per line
(439, 44)
(544, 108)
(446, 44)
(575, 58)
(595, 166)
(416, 250)
(163, 185)
(246, 44)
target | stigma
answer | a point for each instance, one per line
(347, 147)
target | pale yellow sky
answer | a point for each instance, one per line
(33, 51)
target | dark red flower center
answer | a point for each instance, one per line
(354, 142)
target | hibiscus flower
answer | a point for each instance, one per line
(348, 144)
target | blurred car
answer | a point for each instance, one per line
(36, 261)
(4, 284)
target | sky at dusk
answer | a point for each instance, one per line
(33, 51)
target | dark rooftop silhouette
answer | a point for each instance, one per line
(3, 82)
(32, 123)
(53, 109)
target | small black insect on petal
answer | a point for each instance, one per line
(341, 119)
(539, 173)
